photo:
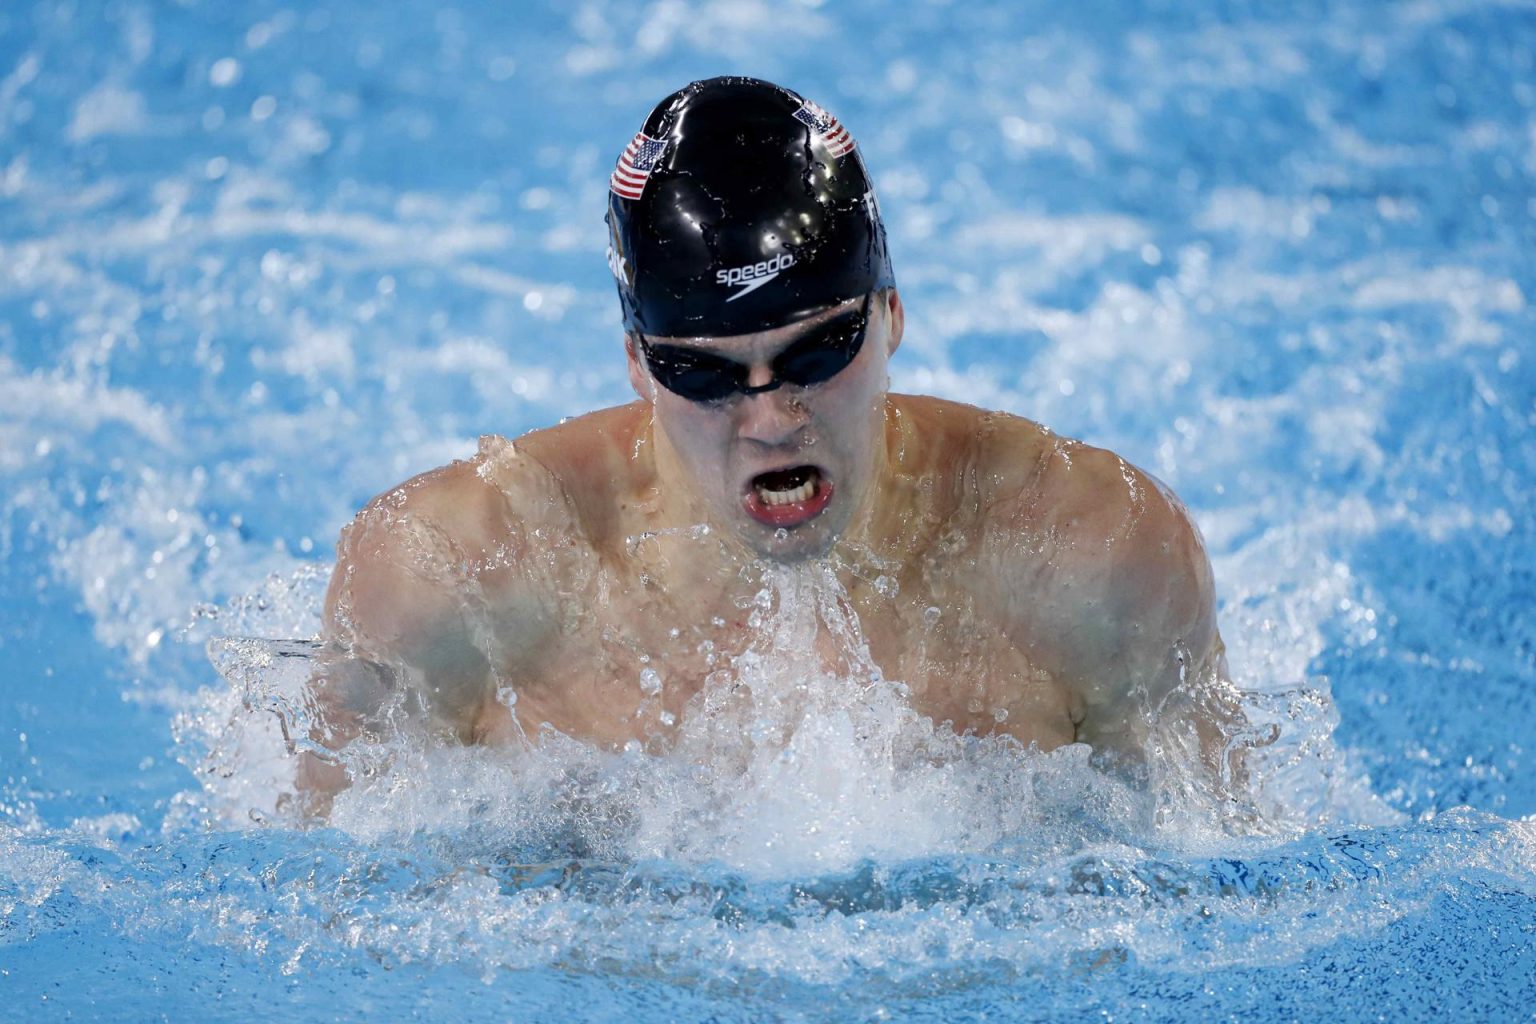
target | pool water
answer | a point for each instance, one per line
(259, 263)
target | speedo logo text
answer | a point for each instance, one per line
(753, 276)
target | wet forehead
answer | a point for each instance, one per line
(761, 344)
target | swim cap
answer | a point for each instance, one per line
(740, 206)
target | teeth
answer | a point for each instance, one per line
(794, 494)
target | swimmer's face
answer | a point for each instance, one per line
(786, 469)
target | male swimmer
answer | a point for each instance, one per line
(1032, 585)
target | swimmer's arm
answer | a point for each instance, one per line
(408, 634)
(398, 651)
(411, 632)
(1153, 664)
(1107, 586)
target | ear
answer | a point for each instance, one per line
(898, 321)
(637, 376)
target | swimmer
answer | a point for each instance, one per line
(1016, 581)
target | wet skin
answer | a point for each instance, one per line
(1016, 581)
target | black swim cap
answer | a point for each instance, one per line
(740, 207)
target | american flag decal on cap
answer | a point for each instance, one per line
(635, 165)
(828, 127)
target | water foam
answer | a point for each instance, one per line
(781, 765)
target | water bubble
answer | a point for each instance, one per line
(259, 35)
(225, 72)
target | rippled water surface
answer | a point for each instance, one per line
(259, 263)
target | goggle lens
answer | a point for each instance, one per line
(813, 359)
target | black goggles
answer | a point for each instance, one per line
(817, 356)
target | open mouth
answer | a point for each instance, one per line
(788, 497)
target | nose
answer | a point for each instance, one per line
(771, 417)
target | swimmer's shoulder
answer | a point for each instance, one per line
(1003, 454)
(1116, 549)
(1078, 492)
(586, 453)
(958, 435)
(448, 502)
(465, 507)
(551, 478)
(587, 470)
(1080, 522)
(1024, 471)
(405, 562)
(401, 563)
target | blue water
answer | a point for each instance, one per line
(259, 263)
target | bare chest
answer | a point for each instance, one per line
(630, 658)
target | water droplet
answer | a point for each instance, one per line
(225, 72)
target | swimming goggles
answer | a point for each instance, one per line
(818, 356)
